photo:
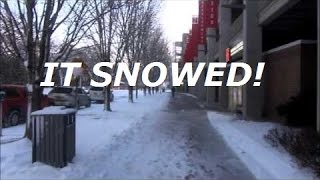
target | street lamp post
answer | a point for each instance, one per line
(2, 94)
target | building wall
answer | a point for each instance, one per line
(224, 38)
(309, 68)
(236, 96)
(212, 49)
(287, 73)
(318, 80)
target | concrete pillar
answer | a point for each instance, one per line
(318, 104)
(252, 54)
(201, 53)
(194, 90)
(224, 38)
(201, 91)
(211, 46)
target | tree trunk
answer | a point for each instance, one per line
(130, 88)
(149, 90)
(107, 95)
(37, 96)
(30, 57)
(136, 92)
(109, 44)
(144, 90)
(108, 108)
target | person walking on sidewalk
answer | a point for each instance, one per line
(173, 90)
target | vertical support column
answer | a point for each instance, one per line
(252, 54)
(211, 46)
(224, 38)
(194, 89)
(318, 102)
(201, 90)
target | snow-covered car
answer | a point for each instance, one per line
(69, 97)
(97, 94)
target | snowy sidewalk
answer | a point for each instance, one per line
(158, 137)
(95, 129)
(246, 139)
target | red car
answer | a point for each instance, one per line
(14, 109)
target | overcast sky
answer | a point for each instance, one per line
(176, 17)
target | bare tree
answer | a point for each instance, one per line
(28, 28)
(104, 34)
(156, 51)
(140, 24)
(145, 26)
(118, 35)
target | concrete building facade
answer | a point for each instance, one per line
(318, 102)
(282, 33)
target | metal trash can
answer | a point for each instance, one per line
(53, 136)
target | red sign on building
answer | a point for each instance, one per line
(208, 17)
(228, 54)
(186, 53)
(193, 41)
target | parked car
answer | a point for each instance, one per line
(69, 97)
(15, 104)
(97, 94)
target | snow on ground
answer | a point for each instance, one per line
(95, 129)
(195, 97)
(142, 152)
(12, 133)
(246, 139)
(129, 143)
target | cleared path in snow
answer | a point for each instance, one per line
(176, 142)
(158, 137)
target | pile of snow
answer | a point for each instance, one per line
(246, 139)
(54, 110)
(95, 129)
